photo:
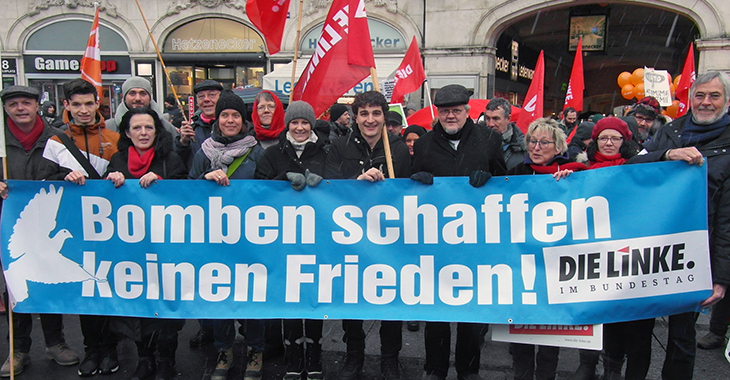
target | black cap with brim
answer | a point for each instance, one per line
(393, 118)
(18, 91)
(207, 84)
(452, 95)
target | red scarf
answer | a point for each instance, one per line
(277, 121)
(140, 165)
(602, 161)
(27, 140)
(552, 169)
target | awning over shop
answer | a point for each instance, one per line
(280, 79)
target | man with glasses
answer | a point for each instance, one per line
(193, 134)
(647, 113)
(456, 147)
(700, 135)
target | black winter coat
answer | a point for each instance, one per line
(480, 148)
(351, 156)
(202, 132)
(717, 154)
(281, 159)
(169, 166)
(30, 165)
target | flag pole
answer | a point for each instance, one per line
(430, 102)
(296, 50)
(162, 62)
(386, 140)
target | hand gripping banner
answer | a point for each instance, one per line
(600, 246)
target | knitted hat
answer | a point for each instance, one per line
(207, 84)
(612, 123)
(136, 82)
(584, 131)
(648, 106)
(595, 117)
(452, 95)
(299, 110)
(337, 110)
(417, 129)
(16, 91)
(230, 101)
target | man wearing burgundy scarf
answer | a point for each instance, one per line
(25, 137)
(701, 136)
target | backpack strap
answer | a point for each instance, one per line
(236, 163)
(80, 158)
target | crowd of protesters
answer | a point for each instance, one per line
(220, 145)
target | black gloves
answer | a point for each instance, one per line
(425, 178)
(479, 177)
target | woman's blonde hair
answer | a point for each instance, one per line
(551, 127)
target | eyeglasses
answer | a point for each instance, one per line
(543, 144)
(455, 111)
(642, 119)
(266, 107)
(213, 95)
(613, 139)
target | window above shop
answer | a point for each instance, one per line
(55, 36)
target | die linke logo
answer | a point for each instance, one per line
(565, 330)
(631, 268)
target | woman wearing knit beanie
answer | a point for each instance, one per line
(267, 118)
(612, 145)
(298, 157)
(231, 153)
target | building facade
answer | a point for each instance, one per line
(470, 42)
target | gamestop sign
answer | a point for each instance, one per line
(71, 64)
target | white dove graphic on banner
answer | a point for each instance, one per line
(37, 255)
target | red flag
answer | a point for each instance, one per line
(343, 56)
(685, 82)
(91, 62)
(574, 97)
(269, 17)
(410, 74)
(532, 106)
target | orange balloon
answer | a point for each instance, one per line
(624, 78)
(639, 91)
(637, 76)
(676, 80)
(672, 110)
(627, 91)
(672, 88)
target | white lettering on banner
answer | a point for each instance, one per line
(403, 73)
(550, 222)
(381, 283)
(279, 3)
(624, 269)
(324, 45)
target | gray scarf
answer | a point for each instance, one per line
(221, 155)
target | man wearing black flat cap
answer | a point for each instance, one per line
(394, 123)
(195, 131)
(456, 147)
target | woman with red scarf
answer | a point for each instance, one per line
(547, 154)
(612, 145)
(145, 153)
(267, 118)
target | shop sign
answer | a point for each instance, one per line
(71, 64)
(214, 35)
(383, 37)
(514, 62)
(9, 66)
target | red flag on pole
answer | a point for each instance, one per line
(343, 56)
(91, 62)
(532, 106)
(574, 96)
(685, 82)
(269, 17)
(410, 74)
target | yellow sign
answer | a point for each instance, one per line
(214, 35)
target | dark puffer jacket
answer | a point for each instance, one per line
(282, 158)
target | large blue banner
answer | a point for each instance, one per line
(600, 246)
